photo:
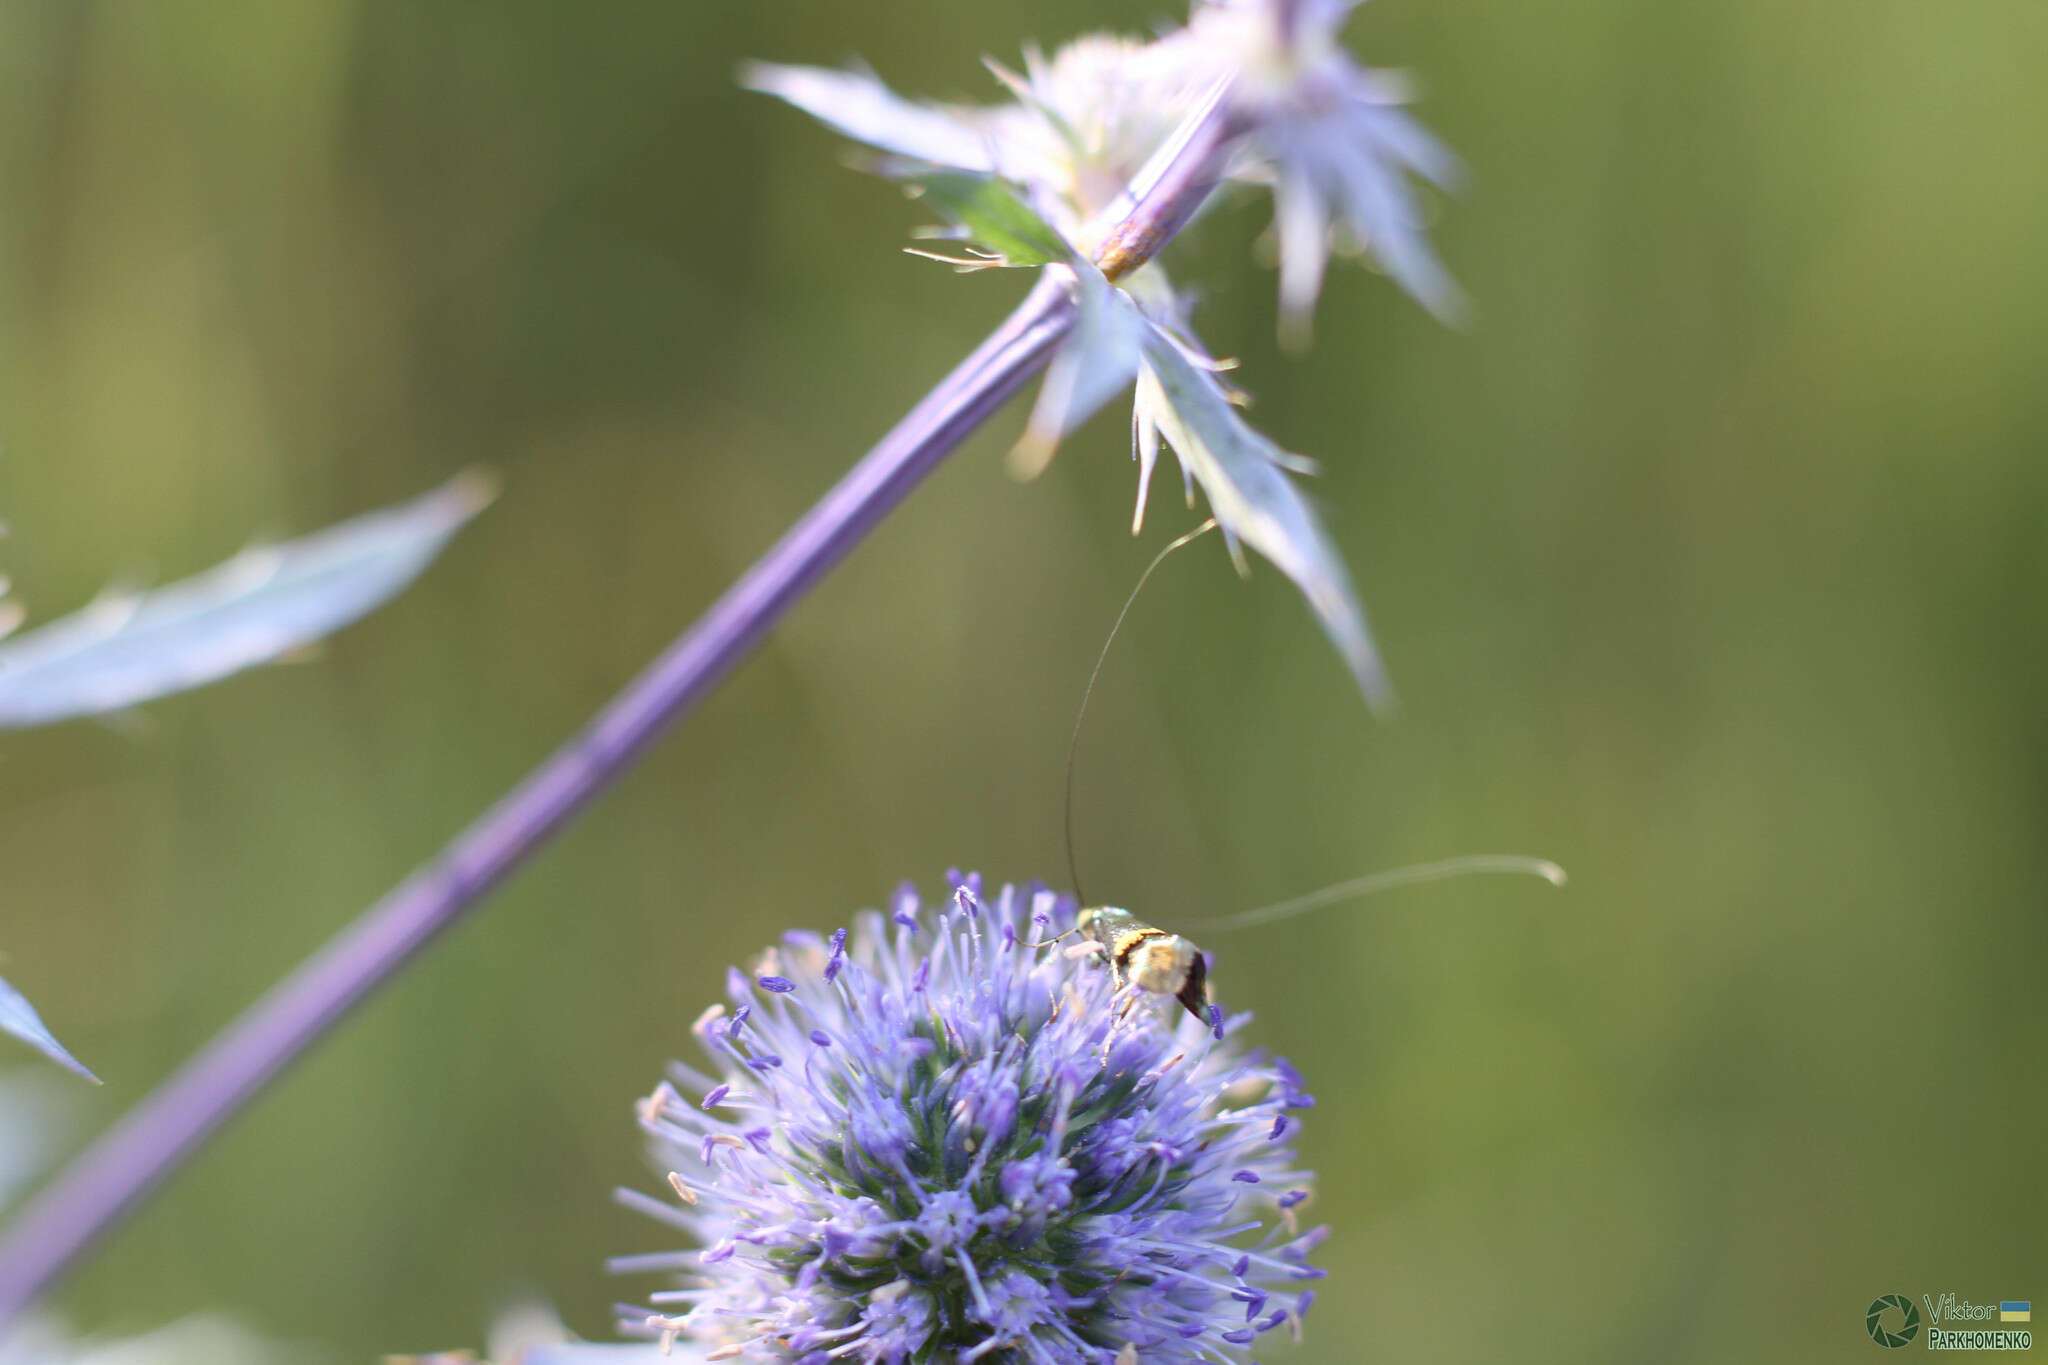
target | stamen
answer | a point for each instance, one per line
(669, 1328)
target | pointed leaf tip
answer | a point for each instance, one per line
(19, 1018)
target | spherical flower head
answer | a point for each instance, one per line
(944, 1138)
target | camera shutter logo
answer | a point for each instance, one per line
(1908, 1329)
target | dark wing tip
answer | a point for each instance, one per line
(1194, 992)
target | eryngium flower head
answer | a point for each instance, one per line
(939, 1139)
(1326, 134)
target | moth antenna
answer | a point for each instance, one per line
(1074, 740)
(1412, 875)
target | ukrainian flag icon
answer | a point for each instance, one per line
(2016, 1310)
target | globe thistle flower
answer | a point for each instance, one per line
(942, 1137)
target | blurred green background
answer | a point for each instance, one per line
(1709, 561)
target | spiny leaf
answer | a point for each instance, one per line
(257, 607)
(988, 212)
(19, 1018)
(1244, 476)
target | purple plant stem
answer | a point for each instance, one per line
(158, 1135)
(1171, 187)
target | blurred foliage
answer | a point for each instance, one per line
(1709, 561)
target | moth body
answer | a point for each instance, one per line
(1148, 957)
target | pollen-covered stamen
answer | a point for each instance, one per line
(655, 1105)
(668, 1329)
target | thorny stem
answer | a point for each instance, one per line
(161, 1133)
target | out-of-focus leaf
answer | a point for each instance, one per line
(564, 1353)
(1244, 476)
(530, 1332)
(857, 104)
(988, 212)
(263, 604)
(19, 1018)
(1098, 360)
(35, 1339)
(11, 614)
(36, 1119)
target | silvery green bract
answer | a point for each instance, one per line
(1323, 133)
(1244, 476)
(940, 1138)
(129, 648)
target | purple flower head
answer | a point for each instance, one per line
(976, 1148)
